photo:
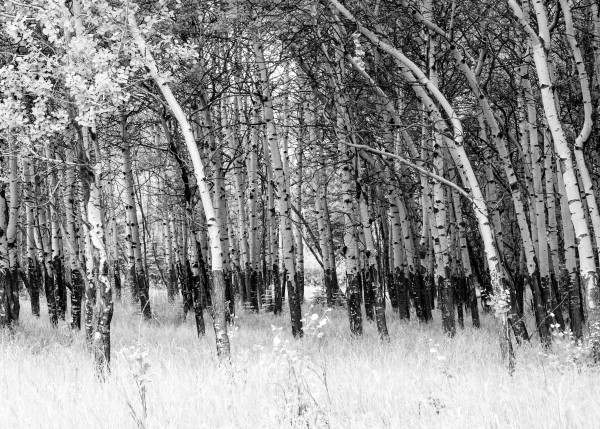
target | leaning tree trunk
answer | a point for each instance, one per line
(586, 129)
(498, 280)
(588, 274)
(218, 295)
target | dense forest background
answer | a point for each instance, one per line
(437, 162)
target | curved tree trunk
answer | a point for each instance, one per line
(219, 305)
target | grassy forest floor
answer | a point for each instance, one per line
(420, 379)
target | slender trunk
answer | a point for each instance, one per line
(564, 156)
(11, 236)
(32, 260)
(253, 196)
(498, 280)
(218, 292)
(6, 317)
(372, 278)
(139, 280)
(283, 196)
(72, 236)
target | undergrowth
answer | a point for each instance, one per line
(163, 376)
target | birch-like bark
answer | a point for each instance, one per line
(442, 276)
(237, 250)
(45, 252)
(283, 195)
(372, 278)
(299, 246)
(242, 219)
(498, 138)
(97, 256)
(253, 223)
(570, 275)
(586, 129)
(344, 136)
(33, 263)
(219, 198)
(60, 294)
(139, 284)
(272, 272)
(169, 257)
(219, 305)
(399, 289)
(11, 233)
(5, 290)
(113, 240)
(465, 259)
(563, 152)
(196, 278)
(467, 174)
(72, 236)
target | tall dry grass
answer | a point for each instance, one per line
(420, 379)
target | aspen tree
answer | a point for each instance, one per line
(272, 251)
(44, 251)
(253, 222)
(5, 287)
(500, 142)
(586, 129)
(344, 136)
(176, 249)
(87, 256)
(465, 259)
(113, 240)
(218, 286)
(401, 293)
(180, 231)
(139, 280)
(96, 244)
(11, 232)
(443, 279)
(570, 276)
(588, 273)
(168, 254)
(299, 246)
(69, 198)
(196, 278)
(283, 195)
(422, 305)
(55, 257)
(467, 175)
(34, 279)
(235, 250)
(552, 234)
(219, 197)
(242, 218)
